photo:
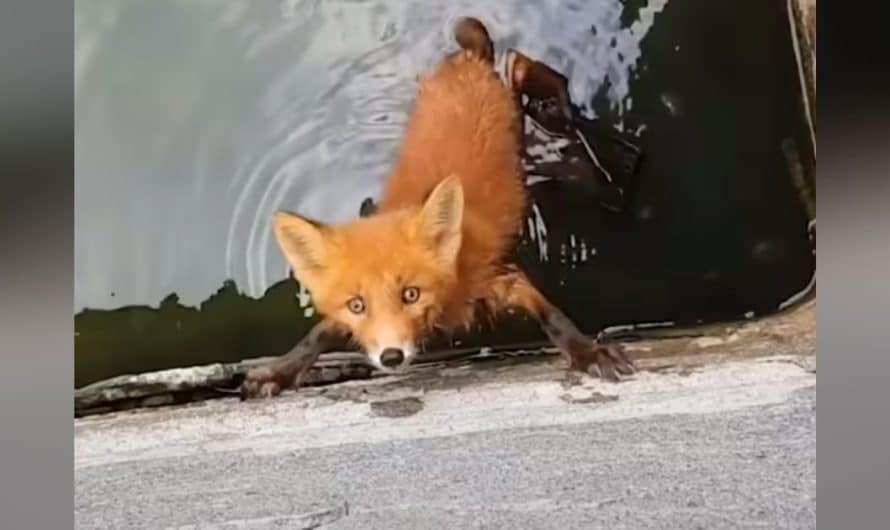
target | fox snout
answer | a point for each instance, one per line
(392, 358)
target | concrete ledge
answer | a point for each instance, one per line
(791, 332)
(717, 429)
(432, 402)
(727, 443)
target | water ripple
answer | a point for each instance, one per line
(346, 101)
(297, 105)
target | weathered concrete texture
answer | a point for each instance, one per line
(196, 383)
(719, 443)
(717, 431)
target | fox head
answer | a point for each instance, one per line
(386, 277)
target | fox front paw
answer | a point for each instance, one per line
(262, 382)
(606, 361)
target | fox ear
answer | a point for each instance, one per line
(441, 218)
(303, 242)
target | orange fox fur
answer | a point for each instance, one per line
(451, 210)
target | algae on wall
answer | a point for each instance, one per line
(227, 327)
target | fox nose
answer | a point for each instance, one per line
(392, 357)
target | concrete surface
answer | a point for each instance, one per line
(721, 444)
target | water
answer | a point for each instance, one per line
(202, 118)
(197, 119)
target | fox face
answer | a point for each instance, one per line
(386, 277)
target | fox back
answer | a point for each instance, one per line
(451, 209)
(465, 123)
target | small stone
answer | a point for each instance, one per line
(397, 408)
(594, 397)
(570, 380)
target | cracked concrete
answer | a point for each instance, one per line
(726, 444)
(711, 434)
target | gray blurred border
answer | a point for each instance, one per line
(36, 266)
(36, 271)
(853, 328)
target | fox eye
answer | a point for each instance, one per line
(356, 305)
(410, 295)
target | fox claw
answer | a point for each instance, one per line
(261, 382)
(607, 362)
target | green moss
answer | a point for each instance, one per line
(227, 327)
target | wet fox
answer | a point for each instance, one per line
(433, 255)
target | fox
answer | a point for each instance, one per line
(433, 254)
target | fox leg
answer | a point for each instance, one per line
(288, 370)
(514, 290)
